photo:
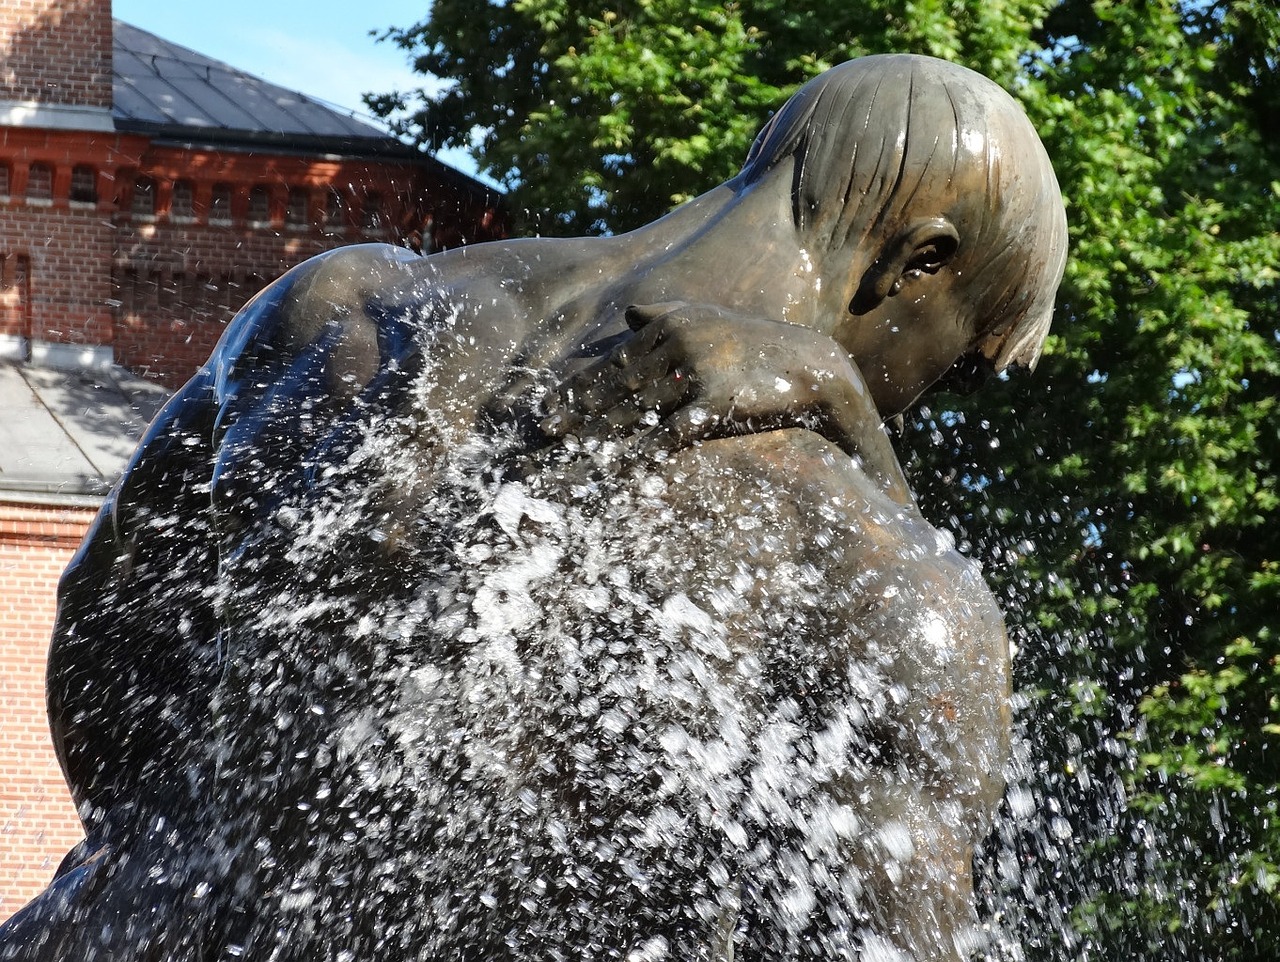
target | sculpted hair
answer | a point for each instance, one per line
(880, 140)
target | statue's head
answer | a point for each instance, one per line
(928, 183)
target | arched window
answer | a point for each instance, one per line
(84, 184)
(298, 214)
(40, 183)
(182, 206)
(144, 198)
(220, 205)
(260, 206)
(372, 217)
(15, 294)
(335, 211)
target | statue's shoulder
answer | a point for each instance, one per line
(337, 288)
(353, 302)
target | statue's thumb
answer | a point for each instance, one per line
(640, 315)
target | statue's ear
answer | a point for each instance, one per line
(922, 247)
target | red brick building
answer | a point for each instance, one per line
(146, 192)
(37, 820)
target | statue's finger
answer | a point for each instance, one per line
(645, 369)
(622, 354)
(558, 418)
(579, 391)
(664, 394)
(680, 429)
(647, 405)
(636, 346)
(639, 316)
(623, 419)
(516, 394)
(606, 385)
(608, 388)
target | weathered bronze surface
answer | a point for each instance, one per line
(564, 599)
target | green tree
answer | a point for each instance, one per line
(1125, 497)
(602, 116)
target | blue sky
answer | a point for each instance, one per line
(320, 47)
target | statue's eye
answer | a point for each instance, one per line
(931, 256)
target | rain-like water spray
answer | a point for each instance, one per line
(565, 600)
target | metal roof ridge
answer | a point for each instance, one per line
(142, 95)
(343, 117)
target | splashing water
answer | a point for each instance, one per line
(731, 703)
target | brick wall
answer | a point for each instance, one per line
(62, 271)
(56, 51)
(108, 239)
(95, 251)
(175, 287)
(37, 821)
(178, 279)
(56, 250)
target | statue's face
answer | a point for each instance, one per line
(912, 337)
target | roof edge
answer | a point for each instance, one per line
(32, 113)
(80, 491)
(230, 137)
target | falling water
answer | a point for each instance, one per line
(601, 707)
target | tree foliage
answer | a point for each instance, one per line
(1125, 497)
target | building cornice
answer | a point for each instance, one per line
(31, 113)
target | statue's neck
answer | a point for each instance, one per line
(732, 247)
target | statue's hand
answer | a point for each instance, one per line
(694, 372)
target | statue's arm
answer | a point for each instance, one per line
(696, 372)
(133, 659)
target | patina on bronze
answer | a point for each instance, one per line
(565, 598)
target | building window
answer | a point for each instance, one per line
(371, 216)
(15, 294)
(296, 214)
(220, 204)
(335, 212)
(4, 180)
(144, 198)
(84, 184)
(40, 183)
(167, 287)
(260, 206)
(182, 207)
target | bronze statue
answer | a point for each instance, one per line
(564, 599)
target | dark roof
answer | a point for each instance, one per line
(165, 89)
